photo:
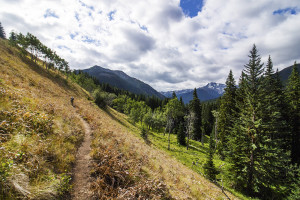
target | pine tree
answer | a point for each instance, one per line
(246, 130)
(12, 38)
(256, 154)
(227, 115)
(181, 135)
(209, 167)
(272, 157)
(2, 32)
(195, 107)
(174, 95)
(293, 96)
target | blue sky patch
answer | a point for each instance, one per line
(144, 28)
(191, 7)
(85, 5)
(77, 16)
(73, 35)
(88, 39)
(291, 11)
(50, 13)
(111, 15)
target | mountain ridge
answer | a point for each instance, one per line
(214, 90)
(210, 91)
(121, 80)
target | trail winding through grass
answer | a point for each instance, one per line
(81, 181)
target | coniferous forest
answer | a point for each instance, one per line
(253, 127)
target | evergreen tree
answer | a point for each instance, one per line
(246, 130)
(209, 167)
(12, 38)
(257, 157)
(227, 115)
(2, 32)
(174, 95)
(195, 107)
(181, 135)
(293, 96)
(273, 158)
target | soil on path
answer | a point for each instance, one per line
(81, 181)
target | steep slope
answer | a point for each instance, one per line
(286, 72)
(121, 80)
(210, 91)
(41, 132)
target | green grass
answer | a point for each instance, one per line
(194, 158)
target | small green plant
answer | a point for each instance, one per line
(4, 169)
(65, 184)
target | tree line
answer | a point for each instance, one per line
(30, 43)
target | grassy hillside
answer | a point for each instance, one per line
(41, 132)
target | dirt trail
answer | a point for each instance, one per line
(81, 182)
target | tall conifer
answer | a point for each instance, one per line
(209, 166)
(195, 107)
(247, 129)
(227, 114)
(273, 158)
(293, 96)
(258, 161)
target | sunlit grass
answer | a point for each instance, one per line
(40, 160)
(42, 130)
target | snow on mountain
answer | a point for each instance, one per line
(210, 91)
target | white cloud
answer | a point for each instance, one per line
(152, 39)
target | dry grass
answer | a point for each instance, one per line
(113, 131)
(125, 167)
(40, 132)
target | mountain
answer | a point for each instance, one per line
(286, 72)
(214, 90)
(210, 91)
(169, 94)
(121, 80)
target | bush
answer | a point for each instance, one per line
(103, 99)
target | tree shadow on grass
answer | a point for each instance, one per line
(50, 74)
(107, 111)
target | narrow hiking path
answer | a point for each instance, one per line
(81, 181)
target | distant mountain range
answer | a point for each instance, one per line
(121, 80)
(214, 90)
(210, 91)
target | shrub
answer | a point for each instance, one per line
(144, 133)
(103, 99)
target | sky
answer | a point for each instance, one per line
(169, 44)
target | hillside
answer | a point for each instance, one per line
(286, 72)
(41, 133)
(121, 80)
